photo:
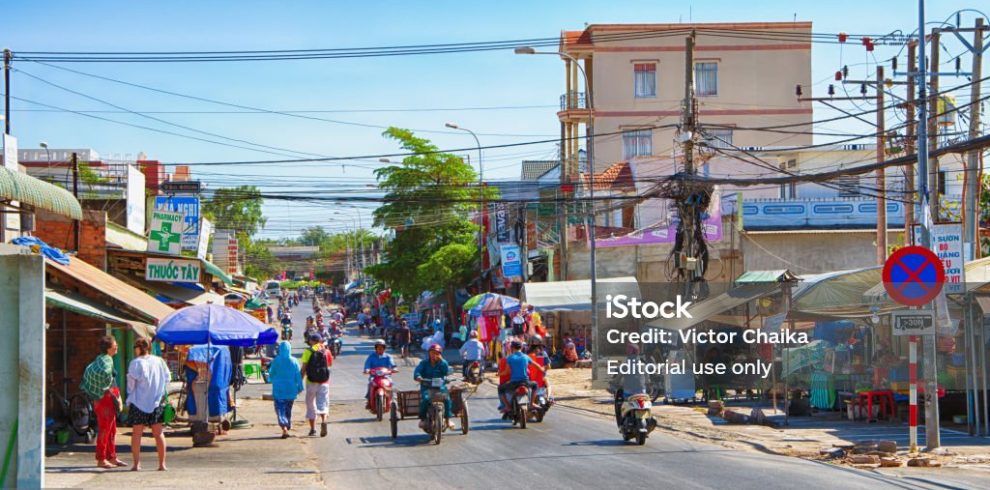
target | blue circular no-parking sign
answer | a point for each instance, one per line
(913, 276)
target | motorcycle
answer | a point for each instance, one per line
(474, 375)
(519, 405)
(286, 332)
(335, 345)
(540, 404)
(634, 416)
(436, 415)
(380, 398)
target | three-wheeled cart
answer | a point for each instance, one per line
(406, 404)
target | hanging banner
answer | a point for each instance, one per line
(205, 231)
(189, 207)
(166, 233)
(511, 262)
(666, 230)
(503, 234)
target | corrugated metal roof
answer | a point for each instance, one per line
(78, 304)
(147, 306)
(18, 186)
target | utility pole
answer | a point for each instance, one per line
(932, 122)
(971, 227)
(909, 144)
(932, 436)
(6, 91)
(881, 175)
(686, 261)
(75, 192)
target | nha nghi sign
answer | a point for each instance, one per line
(172, 270)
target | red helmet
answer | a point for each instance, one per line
(436, 348)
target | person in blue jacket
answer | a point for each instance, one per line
(286, 385)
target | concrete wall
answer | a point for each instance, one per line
(814, 252)
(22, 364)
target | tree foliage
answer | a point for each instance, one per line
(429, 196)
(238, 209)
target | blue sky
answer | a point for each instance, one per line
(485, 79)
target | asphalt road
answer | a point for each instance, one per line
(570, 449)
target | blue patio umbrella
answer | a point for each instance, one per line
(214, 324)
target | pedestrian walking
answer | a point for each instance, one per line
(99, 385)
(316, 362)
(147, 387)
(286, 385)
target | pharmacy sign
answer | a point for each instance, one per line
(166, 232)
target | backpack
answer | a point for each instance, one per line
(317, 369)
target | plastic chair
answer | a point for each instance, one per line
(252, 371)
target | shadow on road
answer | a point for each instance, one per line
(599, 443)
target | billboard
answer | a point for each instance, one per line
(188, 206)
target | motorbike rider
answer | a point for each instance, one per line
(516, 367)
(632, 384)
(472, 350)
(541, 360)
(286, 323)
(375, 360)
(432, 367)
(310, 323)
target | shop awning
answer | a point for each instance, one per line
(575, 295)
(217, 272)
(147, 307)
(185, 295)
(83, 306)
(17, 186)
(839, 295)
(722, 303)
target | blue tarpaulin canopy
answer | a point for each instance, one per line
(214, 324)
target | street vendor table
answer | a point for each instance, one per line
(886, 399)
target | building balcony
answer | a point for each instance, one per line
(573, 100)
(573, 107)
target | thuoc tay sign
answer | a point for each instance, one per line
(172, 270)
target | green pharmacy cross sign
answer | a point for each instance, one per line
(166, 232)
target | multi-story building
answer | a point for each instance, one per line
(744, 76)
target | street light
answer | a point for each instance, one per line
(481, 187)
(48, 154)
(591, 181)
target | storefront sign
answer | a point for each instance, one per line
(172, 270)
(511, 262)
(166, 232)
(205, 230)
(947, 245)
(189, 207)
(913, 322)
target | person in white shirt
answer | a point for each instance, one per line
(147, 386)
(472, 350)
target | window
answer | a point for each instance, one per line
(645, 80)
(637, 143)
(719, 137)
(706, 79)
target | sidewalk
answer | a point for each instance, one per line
(232, 462)
(804, 437)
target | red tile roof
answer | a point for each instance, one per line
(617, 177)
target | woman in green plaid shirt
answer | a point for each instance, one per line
(98, 383)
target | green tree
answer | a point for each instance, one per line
(313, 236)
(238, 209)
(428, 200)
(259, 261)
